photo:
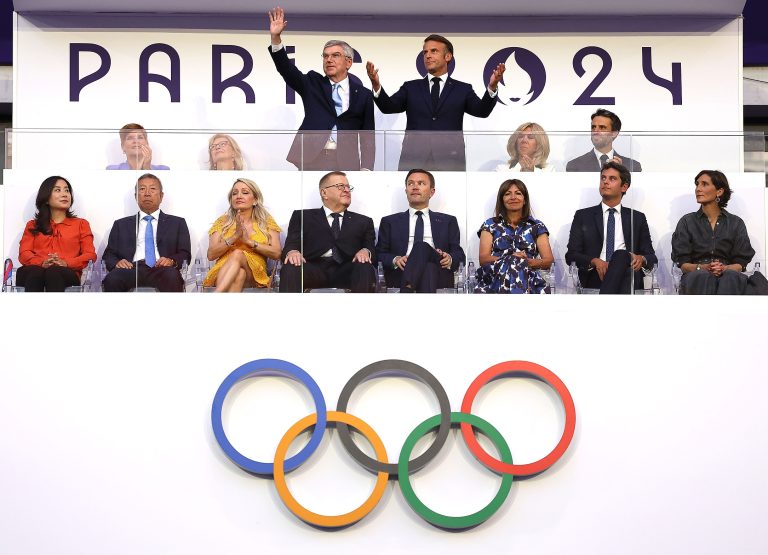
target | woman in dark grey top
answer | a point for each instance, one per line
(711, 246)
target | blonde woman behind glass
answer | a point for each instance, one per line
(224, 153)
(528, 149)
(241, 240)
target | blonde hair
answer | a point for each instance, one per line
(541, 153)
(238, 162)
(259, 215)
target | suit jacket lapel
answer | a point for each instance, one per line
(328, 94)
(597, 218)
(626, 226)
(402, 231)
(436, 221)
(447, 89)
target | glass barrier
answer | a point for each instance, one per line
(487, 256)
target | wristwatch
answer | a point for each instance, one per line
(698, 266)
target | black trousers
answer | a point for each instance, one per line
(703, 283)
(359, 278)
(422, 271)
(54, 279)
(165, 279)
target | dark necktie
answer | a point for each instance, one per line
(418, 231)
(149, 242)
(603, 160)
(335, 231)
(435, 92)
(610, 232)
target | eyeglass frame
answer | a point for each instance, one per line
(334, 55)
(219, 145)
(340, 187)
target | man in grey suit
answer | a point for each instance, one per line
(605, 128)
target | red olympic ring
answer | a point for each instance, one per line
(519, 368)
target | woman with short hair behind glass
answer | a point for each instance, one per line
(528, 149)
(56, 245)
(224, 153)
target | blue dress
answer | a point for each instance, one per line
(510, 274)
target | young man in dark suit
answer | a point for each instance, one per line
(148, 248)
(419, 248)
(338, 128)
(607, 239)
(329, 246)
(605, 128)
(435, 104)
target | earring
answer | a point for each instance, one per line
(717, 200)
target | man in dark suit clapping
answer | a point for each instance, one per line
(329, 246)
(338, 128)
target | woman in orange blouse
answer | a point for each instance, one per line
(56, 245)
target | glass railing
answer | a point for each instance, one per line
(662, 193)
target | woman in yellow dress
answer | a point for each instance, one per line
(241, 240)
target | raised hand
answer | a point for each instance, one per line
(277, 24)
(496, 76)
(373, 75)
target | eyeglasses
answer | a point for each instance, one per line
(335, 56)
(219, 145)
(527, 136)
(341, 187)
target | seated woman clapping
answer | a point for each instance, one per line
(510, 243)
(56, 245)
(241, 240)
(711, 245)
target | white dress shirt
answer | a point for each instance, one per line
(618, 237)
(412, 228)
(329, 218)
(140, 254)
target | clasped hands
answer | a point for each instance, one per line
(54, 260)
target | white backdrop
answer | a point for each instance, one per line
(106, 446)
(710, 80)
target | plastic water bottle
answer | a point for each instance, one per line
(655, 289)
(459, 278)
(85, 277)
(276, 278)
(197, 271)
(471, 281)
(381, 281)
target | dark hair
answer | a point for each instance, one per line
(328, 175)
(624, 174)
(148, 176)
(720, 182)
(425, 172)
(130, 128)
(501, 212)
(615, 121)
(441, 39)
(43, 214)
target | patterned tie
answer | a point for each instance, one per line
(435, 92)
(335, 231)
(610, 232)
(418, 232)
(336, 96)
(603, 160)
(149, 242)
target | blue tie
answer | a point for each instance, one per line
(610, 233)
(336, 96)
(149, 243)
(418, 232)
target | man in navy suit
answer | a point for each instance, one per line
(329, 246)
(435, 104)
(147, 249)
(338, 128)
(605, 128)
(419, 248)
(603, 245)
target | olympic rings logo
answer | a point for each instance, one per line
(469, 424)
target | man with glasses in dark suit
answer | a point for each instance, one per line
(338, 128)
(329, 246)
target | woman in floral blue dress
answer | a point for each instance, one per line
(514, 245)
